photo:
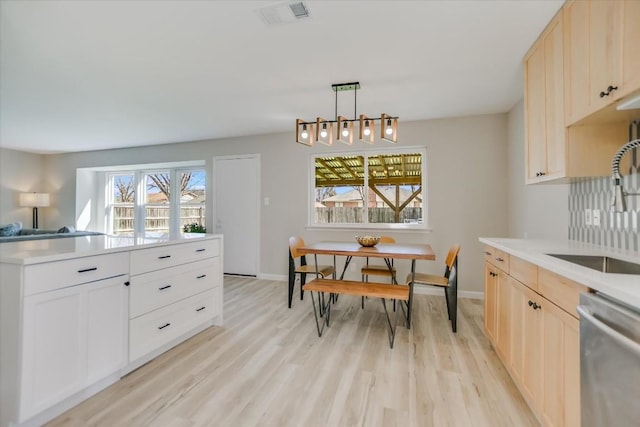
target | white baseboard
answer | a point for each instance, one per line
(276, 277)
(428, 290)
(422, 290)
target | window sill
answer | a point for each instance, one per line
(413, 228)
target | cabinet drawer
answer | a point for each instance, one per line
(524, 272)
(561, 291)
(145, 260)
(157, 328)
(497, 257)
(153, 290)
(60, 274)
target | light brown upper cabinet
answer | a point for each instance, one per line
(601, 54)
(559, 70)
(544, 105)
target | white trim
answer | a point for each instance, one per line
(424, 226)
(274, 277)
(429, 290)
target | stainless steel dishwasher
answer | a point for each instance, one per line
(609, 362)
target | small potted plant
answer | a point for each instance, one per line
(194, 227)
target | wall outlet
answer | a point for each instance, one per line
(588, 217)
(596, 217)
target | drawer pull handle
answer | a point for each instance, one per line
(200, 250)
(166, 325)
(487, 253)
(499, 259)
(201, 276)
(86, 270)
(533, 305)
(164, 287)
(164, 257)
(201, 308)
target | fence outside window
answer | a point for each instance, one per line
(157, 218)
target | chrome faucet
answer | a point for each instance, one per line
(618, 204)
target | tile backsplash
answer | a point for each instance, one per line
(617, 229)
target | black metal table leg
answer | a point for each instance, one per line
(410, 303)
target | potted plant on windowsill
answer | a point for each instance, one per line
(194, 227)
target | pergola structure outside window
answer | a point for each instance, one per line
(375, 189)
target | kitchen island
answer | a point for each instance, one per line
(531, 320)
(76, 314)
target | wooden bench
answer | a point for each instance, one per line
(361, 289)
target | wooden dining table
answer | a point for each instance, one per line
(386, 251)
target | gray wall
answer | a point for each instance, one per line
(467, 186)
(21, 172)
(535, 211)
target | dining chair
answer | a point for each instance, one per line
(296, 242)
(384, 270)
(448, 281)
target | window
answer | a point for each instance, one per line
(384, 189)
(144, 201)
(121, 203)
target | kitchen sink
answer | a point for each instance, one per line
(601, 263)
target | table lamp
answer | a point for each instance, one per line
(35, 201)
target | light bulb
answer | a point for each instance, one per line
(367, 129)
(389, 129)
(345, 130)
(304, 134)
(323, 132)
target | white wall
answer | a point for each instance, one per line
(467, 186)
(21, 172)
(535, 211)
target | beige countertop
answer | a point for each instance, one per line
(624, 287)
(48, 250)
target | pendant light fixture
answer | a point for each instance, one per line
(324, 132)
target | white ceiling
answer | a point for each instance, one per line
(89, 75)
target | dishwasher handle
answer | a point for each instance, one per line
(623, 340)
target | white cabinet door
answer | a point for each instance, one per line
(108, 327)
(54, 349)
(73, 337)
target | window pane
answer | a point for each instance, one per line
(192, 200)
(395, 188)
(157, 207)
(339, 190)
(122, 203)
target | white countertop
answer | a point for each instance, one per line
(624, 287)
(46, 250)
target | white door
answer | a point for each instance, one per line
(236, 207)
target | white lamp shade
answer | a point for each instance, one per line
(34, 200)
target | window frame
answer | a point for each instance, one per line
(422, 150)
(140, 204)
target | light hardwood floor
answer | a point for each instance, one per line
(267, 367)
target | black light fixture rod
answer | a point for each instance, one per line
(355, 103)
(371, 119)
(336, 111)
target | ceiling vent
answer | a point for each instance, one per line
(283, 13)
